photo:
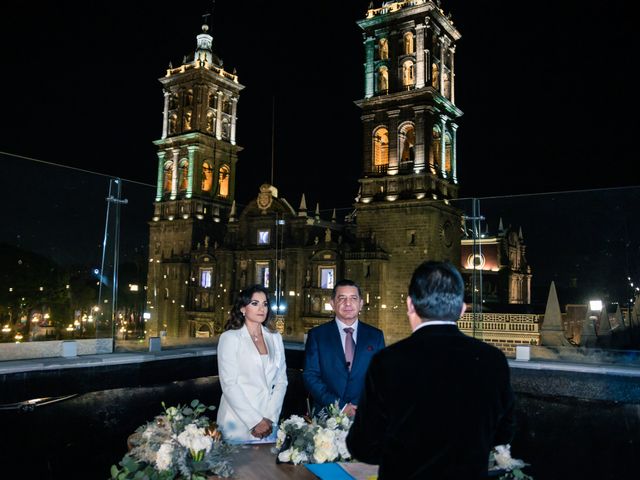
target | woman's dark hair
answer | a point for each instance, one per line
(236, 318)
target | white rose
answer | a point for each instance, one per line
(195, 439)
(295, 420)
(332, 423)
(285, 456)
(163, 456)
(280, 438)
(298, 457)
(319, 456)
(325, 448)
(504, 460)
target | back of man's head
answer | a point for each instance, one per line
(437, 291)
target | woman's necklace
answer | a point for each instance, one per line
(254, 336)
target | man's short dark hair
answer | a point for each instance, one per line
(437, 291)
(345, 283)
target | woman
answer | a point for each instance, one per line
(252, 370)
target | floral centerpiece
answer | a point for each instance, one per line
(181, 443)
(318, 440)
(501, 463)
(323, 439)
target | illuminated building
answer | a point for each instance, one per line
(501, 258)
(202, 250)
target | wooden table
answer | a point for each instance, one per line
(256, 462)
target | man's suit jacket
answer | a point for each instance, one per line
(433, 406)
(326, 375)
(249, 393)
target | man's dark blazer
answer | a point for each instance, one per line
(326, 375)
(433, 406)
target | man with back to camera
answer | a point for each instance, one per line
(337, 353)
(435, 403)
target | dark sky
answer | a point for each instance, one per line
(545, 88)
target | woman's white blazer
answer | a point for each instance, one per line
(248, 392)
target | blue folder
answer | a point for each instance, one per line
(328, 471)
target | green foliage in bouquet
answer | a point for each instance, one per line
(181, 443)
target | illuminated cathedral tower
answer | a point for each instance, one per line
(409, 116)
(197, 157)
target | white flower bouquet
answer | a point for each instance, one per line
(181, 443)
(318, 440)
(503, 465)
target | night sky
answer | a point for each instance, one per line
(545, 88)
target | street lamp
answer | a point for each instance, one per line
(595, 305)
(588, 336)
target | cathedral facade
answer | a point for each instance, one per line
(203, 251)
(501, 260)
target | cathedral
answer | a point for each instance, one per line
(203, 250)
(501, 258)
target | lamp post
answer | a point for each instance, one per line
(588, 335)
(595, 305)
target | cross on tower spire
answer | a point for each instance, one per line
(205, 17)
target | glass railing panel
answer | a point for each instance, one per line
(63, 235)
(558, 272)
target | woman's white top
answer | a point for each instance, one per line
(253, 385)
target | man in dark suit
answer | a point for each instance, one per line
(337, 353)
(436, 402)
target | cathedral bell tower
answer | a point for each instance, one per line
(409, 174)
(409, 113)
(197, 157)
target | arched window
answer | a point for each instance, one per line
(381, 149)
(446, 81)
(183, 179)
(434, 151)
(408, 43)
(225, 128)
(213, 100)
(406, 142)
(173, 101)
(383, 49)
(204, 331)
(211, 121)
(434, 76)
(188, 101)
(383, 80)
(447, 153)
(408, 74)
(226, 104)
(207, 177)
(168, 176)
(173, 123)
(223, 181)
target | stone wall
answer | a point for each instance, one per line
(503, 330)
(53, 348)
